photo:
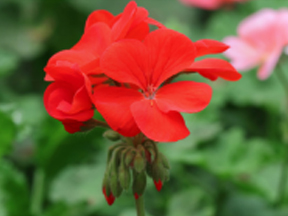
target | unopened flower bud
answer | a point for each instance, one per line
(111, 135)
(139, 183)
(124, 176)
(164, 160)
(139, 162)
(108, 196)
(129, 158)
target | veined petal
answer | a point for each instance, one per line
(184, 96)
(126, 62)
(215, 67)
(114, 105)
(95, 40)
(139, 32)
(207, 46)
(170, 52)
(157, 125)
(99, 16)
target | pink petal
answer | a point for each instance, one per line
(184, 96)
(243, 55)
(207, 46)
(215, 68)
(169, 52)
(114, 105)
(157, 125)
(205, 4)
(269, 64)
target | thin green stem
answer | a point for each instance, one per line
(37, 192)
(140, 206)
(284, 169)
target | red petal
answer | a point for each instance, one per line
(140, 15)
(126, 62)
(155, 22)
(95, 40)
(157, 125)
(65, 71)
(99, 16)
(212, 68)
(59, 92)
(207, 46)
(114, 105)
(87, 62)
(184, 96)
(123, 24)
(170, 52)
(158, 184)
(72, 56)
(72, 126)
(139, 32)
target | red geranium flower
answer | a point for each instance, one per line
(68, 98)
(151, 108)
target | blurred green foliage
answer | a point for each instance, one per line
(230, 165)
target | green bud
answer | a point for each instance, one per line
(129, 157)
(124, 176)
(111, 135)
(164, 160)
(139, 183)
(139, 162)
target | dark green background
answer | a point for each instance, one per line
(230, 165)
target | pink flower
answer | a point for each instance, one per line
(209, 4)
(261, 40)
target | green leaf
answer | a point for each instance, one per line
(267, 181)
(86, 183)
(246, 205)
(192, 201)
(8, 62)
(8, 132)
(14, 196)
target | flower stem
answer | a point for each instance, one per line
(140, 206)
(37, 192)
(284, 168)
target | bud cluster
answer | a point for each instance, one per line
(131, 161)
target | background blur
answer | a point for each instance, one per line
(229, 166)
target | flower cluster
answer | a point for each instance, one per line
(210, 4)
(262, 38)
(124, 71)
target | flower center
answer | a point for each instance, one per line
(150, 92)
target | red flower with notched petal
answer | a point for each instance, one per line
(68, 98)
(152, 108)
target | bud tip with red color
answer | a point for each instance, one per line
(158, 184)
(110, 199)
